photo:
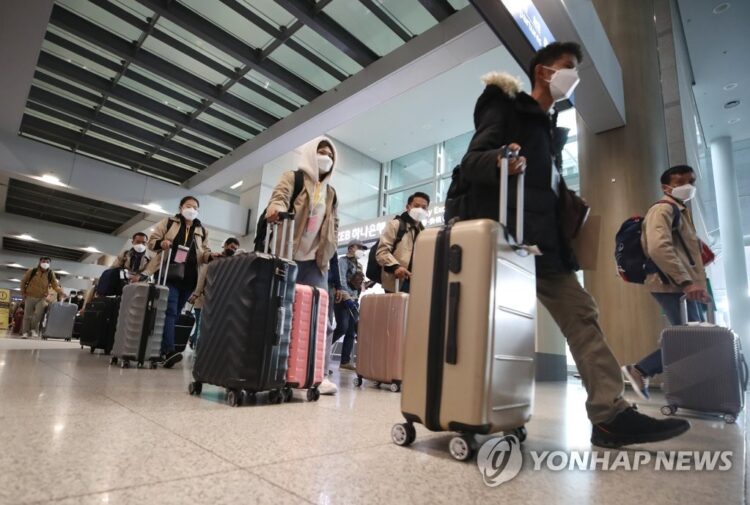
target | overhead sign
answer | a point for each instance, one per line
(528, 19)
(368, 231)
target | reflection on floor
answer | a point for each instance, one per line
(75, 430)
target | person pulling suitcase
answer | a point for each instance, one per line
(505, 116)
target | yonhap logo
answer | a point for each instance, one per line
(499, 460)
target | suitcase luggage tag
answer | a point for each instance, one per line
(516, 243)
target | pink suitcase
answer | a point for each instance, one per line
(380, 339)
(308, 340)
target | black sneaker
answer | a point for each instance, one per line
(632, 427)
(171, 359)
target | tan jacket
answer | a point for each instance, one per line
(666, 250)
(40, 284)
(167, 229)
(391, 259)
(200, 286)
(123, 260)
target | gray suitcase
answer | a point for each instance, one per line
(704, 369)
(140, 323)
(60, 321)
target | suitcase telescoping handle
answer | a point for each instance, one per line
(684, 311)
(287, 239)
(507, 154)
(161, 279)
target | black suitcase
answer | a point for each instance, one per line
(182, 329)
(99, 324)
(245, 325)
(77, 325)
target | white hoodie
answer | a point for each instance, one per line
(317, 191)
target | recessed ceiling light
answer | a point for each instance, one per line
(14, 280)
(27, 237)
(266, 84)
(731, 104)
(236, 185)
(62, 272)
(84, 67)
(154, 207)
(734, 120)
(730, 86)
(91, 249)
(15, 265)
(722, 7)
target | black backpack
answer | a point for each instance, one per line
(374, 271)
(260, 229)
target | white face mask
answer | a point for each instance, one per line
(359, 254)
(563, 82)
(324, 164)
(140, 248)
(189, 213)
(418, 214)
(685, 193)
(44, 266)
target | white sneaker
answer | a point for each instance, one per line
(34, 334)
(328, 388)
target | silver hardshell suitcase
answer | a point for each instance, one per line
(60, 321)
(469, 345)
(704, 369)
(140, 323)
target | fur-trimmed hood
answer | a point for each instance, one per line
(510, 85)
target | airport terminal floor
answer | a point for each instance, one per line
(75, 430)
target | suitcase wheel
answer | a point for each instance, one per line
(91, 351)
(288, 394)
(403, 434)
(357, 381)
(377, 384)
(729, 418)
(113, 361)
(313, 394)
(395, 387)
(234, 398)
(275, 396)
(668, 410)
(153, 365)
(195, 388)
(520, 433)
(81, 346)
(125, 364)
(461, 448)
(68, 339)
(139, 364)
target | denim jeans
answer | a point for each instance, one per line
(670, 303)
(309, 274)
(177, 299)
(346, 326)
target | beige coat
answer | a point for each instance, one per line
(200, 286)
(390, 258)
(39, 285)
(123, 260)
(282, 194)
(167, 229)
(666, 250)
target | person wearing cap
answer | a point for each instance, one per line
(35, 286)
(346, 306)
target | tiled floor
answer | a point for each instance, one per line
(75, 430)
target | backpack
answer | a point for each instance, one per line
(632, 263)
(374, 271)
(261, 228)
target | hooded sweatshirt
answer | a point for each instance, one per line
(316, 221)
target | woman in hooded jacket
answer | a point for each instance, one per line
(316, 221)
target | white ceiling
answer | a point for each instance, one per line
(437, 110)
(719, 47)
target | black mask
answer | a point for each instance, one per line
(229, 252)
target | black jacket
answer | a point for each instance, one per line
(501, 117)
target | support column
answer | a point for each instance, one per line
(732, 243)
(620, 176)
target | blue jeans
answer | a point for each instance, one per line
(177, 299)
(346, 325)
(670, 303)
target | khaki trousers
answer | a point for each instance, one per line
(576, 313)
(33, 313)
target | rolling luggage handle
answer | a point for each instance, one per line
(270, 248)
(684, 311)
(519, 246)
